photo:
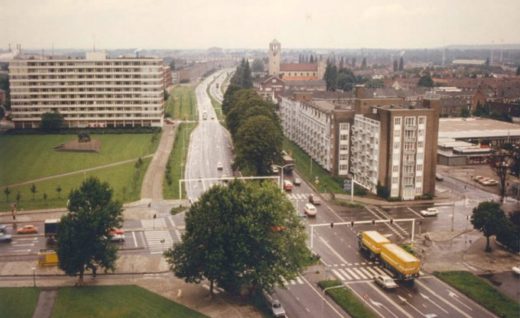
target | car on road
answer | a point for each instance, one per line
(429, 212)
(277, 309)
(220, 166)
(439, 177)
(287, 185)
(314, 199)
(5, 238)
(297, 181)
(3, 228)
(117, 238)
(386, 282)
(117, 232)
(27, 229)
(310, 209)
(516, 270)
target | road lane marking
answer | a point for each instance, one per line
(389, 300)
(300, 281)
(359, 273)
(377, 269)
(404, 300)
(135, 239)
(430, 300)
(345, 273)
(409, 208)
(455, 296)
(338, 274)
(374, 273)
(366, 272)
(352, 273)
(443, 299)
(333, 250)
(323, 298)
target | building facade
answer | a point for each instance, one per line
(293, 71)
(97, 91)
(380, 143)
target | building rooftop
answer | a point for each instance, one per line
(298, 67)
(476, 128)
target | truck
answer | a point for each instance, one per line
(377, 247)
(50, 230)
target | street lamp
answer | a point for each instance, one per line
(34, 276)
(281, 172)
(324, 294)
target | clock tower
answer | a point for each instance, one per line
(275, 52)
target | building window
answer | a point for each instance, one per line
(397, 121)
(395, 180)
(409, 121)
(343, 126)
(419, 168)
(397, 145)
(422, 120)
(395, 168)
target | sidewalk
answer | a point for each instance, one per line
(384, 203)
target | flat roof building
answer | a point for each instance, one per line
(96, 91)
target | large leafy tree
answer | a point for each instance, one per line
(489, 219)
(425, 81)
(84, 233)
(258, 65)
(258, 144)
(331, 76)
(242, 77)
(51, 121)
(244, 237)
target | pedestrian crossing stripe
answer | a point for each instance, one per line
(151, 224)
(360, 273)
(158, 241)
(297, 281)
(298, 196)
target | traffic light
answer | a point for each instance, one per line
(373, 222)
(391, 221)
(352, 223)
(331, 225)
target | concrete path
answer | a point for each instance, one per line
(152, 187)
(113, 164)
(45, 303)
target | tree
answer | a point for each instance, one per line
(258, 144)
(425, 81)
(509, 235)
(331, 76)
(401, 63)
(488, 218)
(258, 65)
(58, 189)
(500, 161)
(364, 63)
(242, 77)
(33, 190)
(464, 112)
(518, 71)
(84, 233)
(244, 237)
(7, 191)
(51, 121)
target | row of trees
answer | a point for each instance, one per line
(343, 78)
(253, 124)
(491, 220)
(242, 77)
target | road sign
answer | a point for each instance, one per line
(347, 185)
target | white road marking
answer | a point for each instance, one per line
(338, 274)
(345, 273)
(389, 300)
(323, 298)
(377, 269)
(352, 273)
(359, 273)
(333, 250)
(430, 300)
(135, 239)
(366, 272)
(372, 270)
(442, 299)
(412, 210)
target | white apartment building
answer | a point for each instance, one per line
(97, 91)
(365, 151)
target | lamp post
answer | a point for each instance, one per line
(281, 172)
(34, 276)
(324, 294)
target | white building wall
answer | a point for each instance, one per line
(365, 152)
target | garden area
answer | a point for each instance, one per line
(182, 104)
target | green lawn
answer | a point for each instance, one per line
(125, 179)
(177, 161)
(116, 301)
(327, 183)
(182, 103)
(27, 157)
(18, 302)
(347, 300)
(481, 292)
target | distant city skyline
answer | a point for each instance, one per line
(198, 24)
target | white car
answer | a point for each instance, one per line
(429, 212)
(516, 270)
(297, 181)
(310, 209)
(219, 166)
(277, 309)
(386, 282)
(117, 238)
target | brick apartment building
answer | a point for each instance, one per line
(96, 91)
(379, 142)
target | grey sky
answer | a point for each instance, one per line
(253, 23)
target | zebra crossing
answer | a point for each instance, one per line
(360, 273)
(152, 224)
(298, 196)
(158, 241)
(297, 281)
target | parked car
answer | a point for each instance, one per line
(277, 309)
(439, 177)
(3, 228)
(314, 199)
(117, 238)
(516, 270)
(117, 231)
(386, 282)
(429, 212)
(219, 166)
(5, 238)
(287, 185)
(310, 209)
(27, 229)
(297, 181)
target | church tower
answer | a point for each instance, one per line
(275, 52)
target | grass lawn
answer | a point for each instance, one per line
(116, 301)
(27, 157)
(18, 302)
(124, 179)
(177, 161)
(481, 292)
(182, 103)
(327, 183)
(346, 299)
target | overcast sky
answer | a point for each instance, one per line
(183, 24)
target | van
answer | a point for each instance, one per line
(287, 185)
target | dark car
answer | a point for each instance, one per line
(5, 238)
